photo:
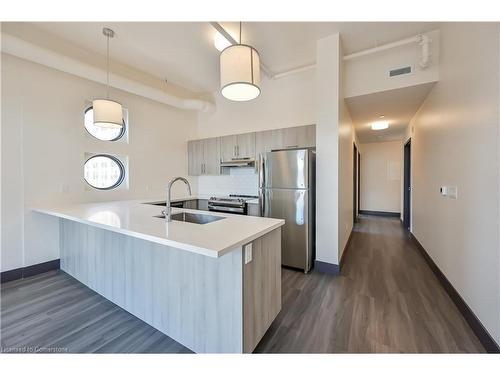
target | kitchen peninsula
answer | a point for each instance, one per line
(213, 286)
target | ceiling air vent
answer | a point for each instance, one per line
(400, 71)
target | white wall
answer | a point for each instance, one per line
(327, 148)
(43, 146)
(345, 160)
(283, 103)
(456, 142)
(381, 168)
(370, 73)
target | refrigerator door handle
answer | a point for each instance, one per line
(262, 202)
(262, 170)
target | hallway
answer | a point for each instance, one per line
(386, 300)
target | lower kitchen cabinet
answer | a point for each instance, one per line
(191, 204)
(253, 209)
(203, 204)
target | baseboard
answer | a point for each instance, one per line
(23, 272)
(380, 213)
(477, 327)
(329, 268)
(346, 247)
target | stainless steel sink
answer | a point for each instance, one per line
(193, 218)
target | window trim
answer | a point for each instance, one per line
(118, 137)
(117, 161)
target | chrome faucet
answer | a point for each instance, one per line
(168, 210)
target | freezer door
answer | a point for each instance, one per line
(286, 169)
(292, 205)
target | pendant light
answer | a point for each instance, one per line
(240, 72)
(107, 113)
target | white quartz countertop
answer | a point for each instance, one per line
(136, 218)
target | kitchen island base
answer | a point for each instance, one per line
(208, 304)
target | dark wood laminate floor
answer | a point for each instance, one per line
(386, 300)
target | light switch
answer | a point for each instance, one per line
(452, 192)
(449, 191)
(248, 253)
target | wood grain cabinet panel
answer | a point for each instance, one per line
(300, 136)
(228, 147)
(211, 156)
(195, 158)
(245, 147)
(204, 157)
(261, 288)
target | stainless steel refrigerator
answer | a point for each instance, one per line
(287, 191)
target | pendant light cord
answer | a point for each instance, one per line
(240, 32)
(107, 66)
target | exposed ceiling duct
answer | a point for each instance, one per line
(422, 39)
(28, 51)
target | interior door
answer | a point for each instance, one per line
(407, 186)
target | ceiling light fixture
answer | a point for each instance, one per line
(220, 42)
(107, 113)
(380, 125)
(240, 72)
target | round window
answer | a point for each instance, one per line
(104, 134)
(103, 172)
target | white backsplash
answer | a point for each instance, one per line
(240, 181)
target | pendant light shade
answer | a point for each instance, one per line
(107, 113)
(240, 72)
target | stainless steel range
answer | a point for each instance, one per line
(234, 204)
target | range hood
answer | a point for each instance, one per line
(244, 162)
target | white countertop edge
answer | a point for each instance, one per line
(163, 241)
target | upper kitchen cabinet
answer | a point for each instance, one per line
(278, 139)
(204, 157)
(268, 140)
(299, 137)
(241, 146)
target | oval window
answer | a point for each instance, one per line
(103, 172)
(104, 134)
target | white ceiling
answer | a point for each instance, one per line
(397, 106)
(183, 52)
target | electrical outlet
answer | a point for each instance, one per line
(248, 253)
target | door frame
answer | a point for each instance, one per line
(355, 184)
(359, 184)
(407, 185)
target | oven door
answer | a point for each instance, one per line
(231, 209)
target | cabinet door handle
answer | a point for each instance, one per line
(234, 151)
(237, 150)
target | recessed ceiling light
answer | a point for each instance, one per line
(380, 125)
(220, 41)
